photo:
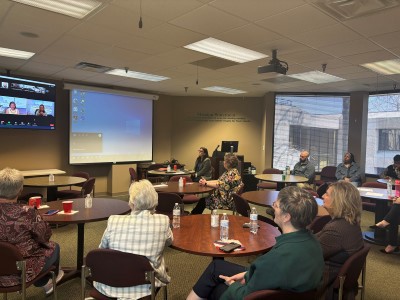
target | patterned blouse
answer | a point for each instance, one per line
(24, 227)
(229, 182)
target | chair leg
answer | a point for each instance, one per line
(363, 275)
(165, 293)
(341, 283)
(53, 281)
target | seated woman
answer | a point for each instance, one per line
(341, 237)
(392, 171)
(349, 170)
(41, 111)
(229, 182)
(24, 227)
(142, 232)
(12, 109)
(391, 220)
(202, 166)
(295, 263)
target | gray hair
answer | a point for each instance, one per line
(142, 196)
(11, 183)
(300, 204)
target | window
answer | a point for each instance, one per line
(383, 131)
(318, 124)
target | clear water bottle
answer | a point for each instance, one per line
(180, 182)
(168, 168)
(51, 178)
(176, 218)
(389, 186)
(88, 201)
(253, 221)
(214, 218)
(224, 228)
(287, 170)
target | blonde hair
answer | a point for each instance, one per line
(142, 196)
(346, 202)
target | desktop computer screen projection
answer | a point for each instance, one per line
(110, 127)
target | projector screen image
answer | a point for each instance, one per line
(109, 128)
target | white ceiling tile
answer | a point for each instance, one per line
(350, 48)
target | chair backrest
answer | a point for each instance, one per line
(377, 185)
(8, 258)
(176, 178)
(83, 175)
(133, 174)
(280, 294)
(328, 174)
(322, 189)
(88, 186)
(312, 192)
(166, 202)
(318, 223)
(241, 205)
(114, 268)
(352, 268)
(240, 189)
(272, 171)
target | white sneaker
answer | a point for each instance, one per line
(48, 287)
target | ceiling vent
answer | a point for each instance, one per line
(92, 67)
(349, 9)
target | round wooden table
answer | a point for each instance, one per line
(280, 183)
(189, 188)
(383, 203)
(171, 173)
(196, 236)
(102, 208)
(52, 186)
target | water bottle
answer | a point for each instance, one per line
(287, 170)
(214, 218)
(168, 168)
(224, 228)
(88, 201)
(51, 178)
(180, 182)
(176, 219)
(389, 187)
(253, 221)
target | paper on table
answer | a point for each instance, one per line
(220, 243)
(43, 206)
(71, 213)
(373, 194)
(365, 189)
(160, 185)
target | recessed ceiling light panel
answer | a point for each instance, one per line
(225, 50)
(73, 8)
(316, 77)
(385, 67)
(136, 75)
(16, 53)
(224, 90)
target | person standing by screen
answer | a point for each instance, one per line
(202, 166)
(12, 109)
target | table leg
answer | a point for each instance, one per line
(51, 193)
(280, 185)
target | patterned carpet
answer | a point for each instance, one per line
(383, 271)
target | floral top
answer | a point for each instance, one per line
(25, 228)
(229, 182)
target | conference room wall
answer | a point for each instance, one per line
(206, 121)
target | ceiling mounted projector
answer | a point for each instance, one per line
(275, 65)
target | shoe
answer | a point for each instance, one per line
(396, 250)
(48, 287)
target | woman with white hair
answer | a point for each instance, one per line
(142, 232)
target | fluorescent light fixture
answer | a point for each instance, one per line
(224, 90)
(15, 53)
(73, 8)
(385, 67)
(137, 75)
(316, 77)
(225, 50)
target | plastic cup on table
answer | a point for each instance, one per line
(35, 201)
(67, 206)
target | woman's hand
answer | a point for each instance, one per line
(396, 200)
(238, 277)
(202, 181)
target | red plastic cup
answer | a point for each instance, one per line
(67, 206)
(35, 201)
(175, 167)
(184, 181)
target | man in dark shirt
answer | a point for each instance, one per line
(393, 171)
(304, 168)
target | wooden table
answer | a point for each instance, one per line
(196, 236)
(189, 188)
(383, 204)
(52, 186)
(101, 210)
(280, 183)
(267, 197)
